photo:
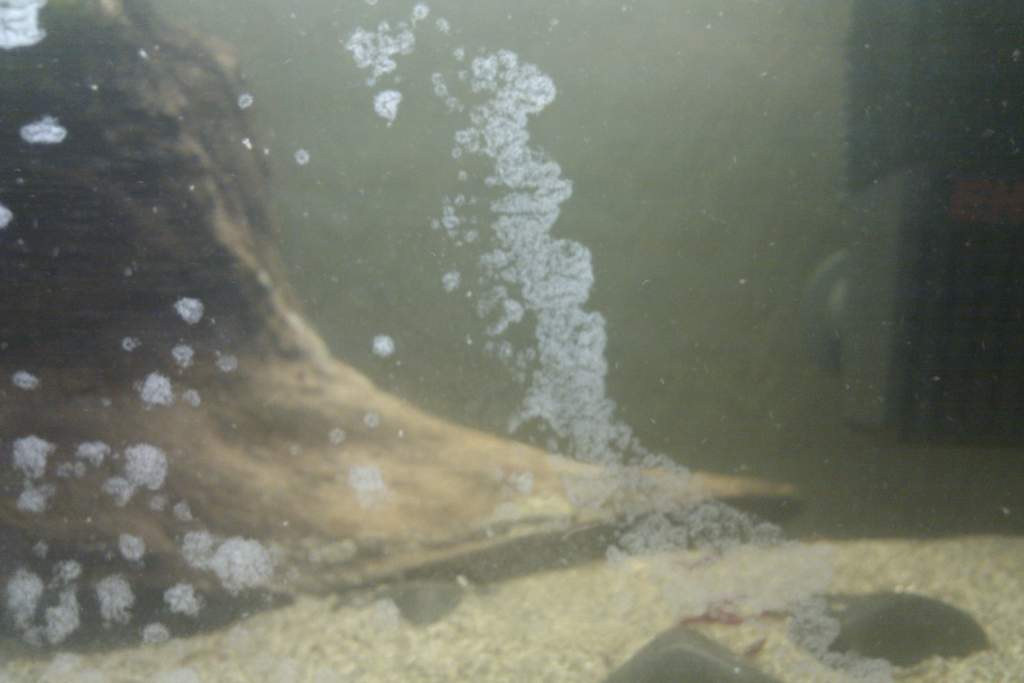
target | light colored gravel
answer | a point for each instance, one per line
(576, 624)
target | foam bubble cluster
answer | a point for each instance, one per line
(45, 131)
(6, 216)
(190, 310)
(385, 104)
(19, 23)
(25, 380)
(376, 50)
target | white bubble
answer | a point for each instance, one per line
(191, 397)
(132, 548)
(62, 619)
(368, 483)
(145, 465)
(336, 436)
(67, 571)
(156, 390)
(383, 345)
(181, 598)
(6, 216)
(23, 591)
(93, 451)
(115, 598)
(376, 50)
(245, 100)
(155, 633)
(240, 564)
(301, 157)
(25, 380)
(190, 310)
(129, 344)
(182, 511)
(459, 53)
(420, 12)
(30, 454)
(196, 548)
(19, 23)
(442, 25)
(120, 489)
(45, 131)
(34, 499)
(385, 104)
(227, 363)
(183, 355)
(451, 280)
(371, 420)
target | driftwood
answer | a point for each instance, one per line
(153, 197)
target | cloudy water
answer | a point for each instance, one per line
(555, 341)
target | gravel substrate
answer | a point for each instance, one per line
(578, 624)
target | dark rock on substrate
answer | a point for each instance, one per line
(903, 628)
(424, 602)
(681, 655)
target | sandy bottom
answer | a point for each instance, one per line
(577, 624)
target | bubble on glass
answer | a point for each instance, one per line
(192, 398)
(368, 483)
(181, 598)
(129, 344)
(116, 598)
(371, 420)
(6, 216)
(155, 633)
(459, 54)
(19, 23)
(385, 104)
(245, 100)
(158, 503)
(156, 390)
(44, 131)
(420, 12)
(301, 157)
(375, 50)
(22, 595)
(29, 455)
(41, 549)
(120, 489)
(383, 345)
(183, 355)
(63, 618)
(145, 466)
(190, 310)
(227, 362)
(34, 499)
(336, 436)
(25, 380)
(182, 511)
(95, 452)
(451, 280)
(132, 547)
(443, 25)
(241, 564)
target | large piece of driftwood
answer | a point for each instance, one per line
(153, 197)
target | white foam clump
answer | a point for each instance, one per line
(44, 131)
(385, 104)
(239, 563)
(383, 345)
(23, 592)
(145, 466)
(227, 362)
(129, 344)
(368, 483)
(192, 398)
(115, 598)
(25, 380)
(181, 598)
(34, 499)
(302, 157)
(190, 309)
(155, 633)
(420, 12)
(30, 454)
(6, 216)
(553, 276)
(19, 23)
(132, 547)
(93, 451)
(451, 280)
(336, 436)
(245, 100)
(156, 390)
(183, 355)
(376, 50)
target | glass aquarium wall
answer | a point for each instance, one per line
(622, 342)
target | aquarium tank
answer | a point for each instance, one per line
(566, 341)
